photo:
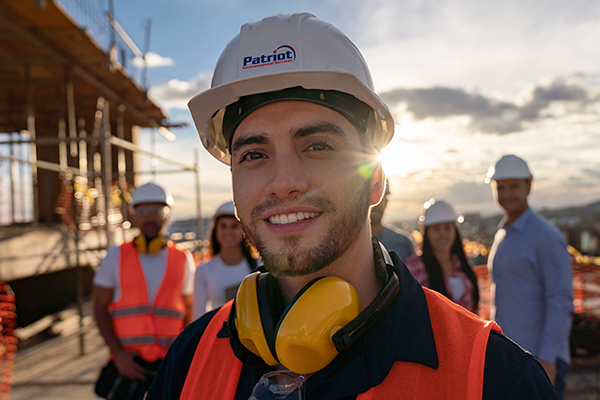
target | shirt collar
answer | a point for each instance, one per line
(520, 223)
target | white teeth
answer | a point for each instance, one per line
(282, 219)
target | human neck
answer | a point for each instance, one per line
(231, 255)
(444, 259)
(443, 255)
(376, 228)
(510, 218)
(356, 266)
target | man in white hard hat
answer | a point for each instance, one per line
(293, 111)
(531, 272)
(143, 296)
(391, 237)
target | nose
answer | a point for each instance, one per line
(288, 178)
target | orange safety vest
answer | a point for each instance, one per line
(460, 336)
(149, 329)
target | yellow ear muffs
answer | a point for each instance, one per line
(303, 337)
(301, 340)
(248, 320)
(323, 319)
(155, 245)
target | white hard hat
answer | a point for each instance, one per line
(437, 212)
(226, 209)
(280, 52)
(509, 167)
(151, 193)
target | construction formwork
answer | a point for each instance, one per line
(70, 118)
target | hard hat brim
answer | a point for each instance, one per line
(208, 107)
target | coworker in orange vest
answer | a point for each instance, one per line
(331, 314)
(143, 291)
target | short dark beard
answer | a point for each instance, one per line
(342, 234)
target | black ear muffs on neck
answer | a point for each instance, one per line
(154, 246)
(323, 319)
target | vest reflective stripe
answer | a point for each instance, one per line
(167, 312)
(460, 337)
(149, 329)
(166, 341)
(137, 340)
(129, 311)
(157, 311)
(162, 341)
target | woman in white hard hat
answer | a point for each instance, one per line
(443, 266)
(217, 280)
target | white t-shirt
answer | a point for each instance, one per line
(216, 283)
(456, 286)
(154, 267)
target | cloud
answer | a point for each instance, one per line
(176, 93)
(468, 193)
(493, 116)
(592, 173)
(153, 60)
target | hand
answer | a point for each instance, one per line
(126, 365)
(550, 368)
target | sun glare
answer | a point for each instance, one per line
(398, 158)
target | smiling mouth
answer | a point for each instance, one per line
(282, 219)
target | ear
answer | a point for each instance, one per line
(377, 185)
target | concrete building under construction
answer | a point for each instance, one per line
(71, 112)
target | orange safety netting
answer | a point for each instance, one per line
(8, 341)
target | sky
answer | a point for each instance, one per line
(467, 82)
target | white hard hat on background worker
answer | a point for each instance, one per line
(509, 167)
(225, 209)
(437, 212)
(316, 55)
(151, 193)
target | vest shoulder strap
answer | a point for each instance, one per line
(210, 380)
(460, 340)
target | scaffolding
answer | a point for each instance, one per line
(70, 120)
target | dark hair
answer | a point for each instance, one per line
(434, 270)
(215, 246)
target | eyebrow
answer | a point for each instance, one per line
(320, 127)
(247, 140)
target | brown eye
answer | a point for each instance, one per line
(320, 146)
(251, 156)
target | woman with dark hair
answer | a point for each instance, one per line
(443, 266)
(217, 280)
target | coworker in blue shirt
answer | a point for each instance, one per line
(392, 238)
(531, 272)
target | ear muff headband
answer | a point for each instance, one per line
(344, 338)
(155, 245)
